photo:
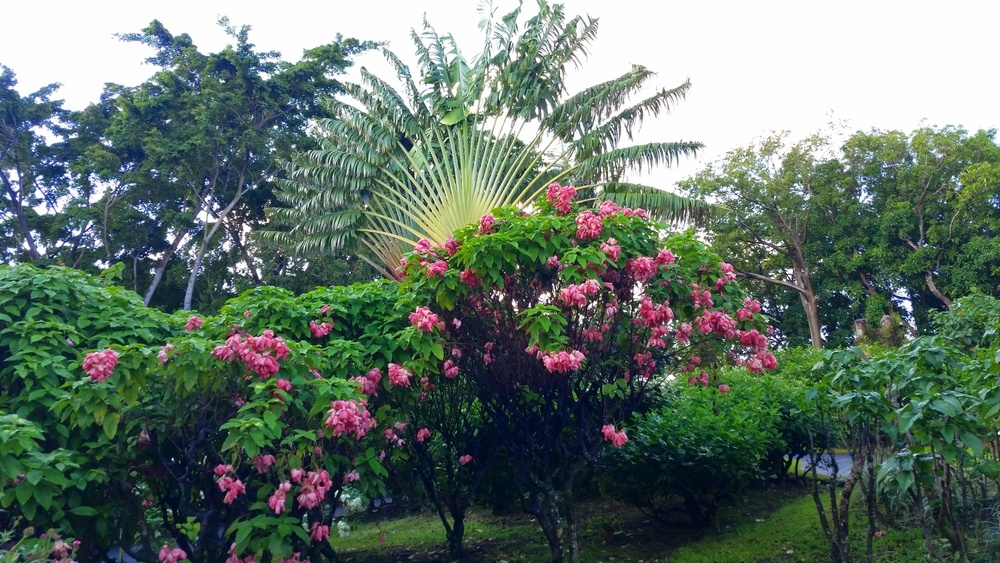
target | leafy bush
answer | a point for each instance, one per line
(700, 446)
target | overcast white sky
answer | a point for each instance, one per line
(756, 66)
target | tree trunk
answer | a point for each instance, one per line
(929, 280)
(162, 267)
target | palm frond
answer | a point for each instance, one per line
(662, 205)
(615, 162)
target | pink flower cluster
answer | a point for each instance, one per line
(172, 555)
(728, 275)
(608, 207)
(469, 278)
(561, 362)
(319, 330)
(99, 365)
(641, 268)
(164, 354)
(617, 438)
(486, 223)
(259, 353)
(423, 434)
(263, 462)
(314, 486)
(561, 197)
(717, 322)
(319, 532)
(349, 417)
(277, 499)
(652, 314)
(423, 246)
(438, 268)
(369, 382)
(746, 312)
(425, 320)
(588, 225)
(576, 295)
(465, 459)
(611, 249)
(665, 258)
(450, 369)
(232, 487)
(701, 299)
(193, 323)
(702, 379)
(399, 376)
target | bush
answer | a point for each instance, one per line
(701, 446)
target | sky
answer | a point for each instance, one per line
(756, 66)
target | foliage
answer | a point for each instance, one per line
(397, 166)
(701, 445)
(889, 224)
(562, 319)
(919, 424)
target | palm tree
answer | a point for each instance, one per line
(397, 166)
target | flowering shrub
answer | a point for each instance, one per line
(562, 319)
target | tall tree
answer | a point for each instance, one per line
(195, 147)
(776, 197)
(33, 175)
(933, 211)
(391, 147)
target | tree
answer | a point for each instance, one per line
(32, 166)
(931, 202)
(435, 159)
(188, 157)
(780, 201)
(561, 320)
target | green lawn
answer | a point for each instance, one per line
(779, 524)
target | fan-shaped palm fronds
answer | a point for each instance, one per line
(397, 166)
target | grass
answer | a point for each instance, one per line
(779, 524)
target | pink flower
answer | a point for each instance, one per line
(423, 246)
(325, 309)
(561, 197)
(641, 268)
(552, 261)
(723, 388)
(320, 330)
(437, 268)
(424, 319)
(277, 499)
(486, 222)
(617, 439)
(608, 208)
(168, 555)
(611, 249)
(263, 462)
(369, 383)
(423, 434)
(560, 362)
(319, 532)
(352, 477)
(164, 354)
(399, 376)
(233, 558)
(221, 469)
(464, 459)
(469, 278)
(232, 487)
(451, 245)
(665, 258)
(99, 365)
(284, 385)
(588, 225)
(315, 485)
(450, 369)
(349, 417)
(193, 323)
